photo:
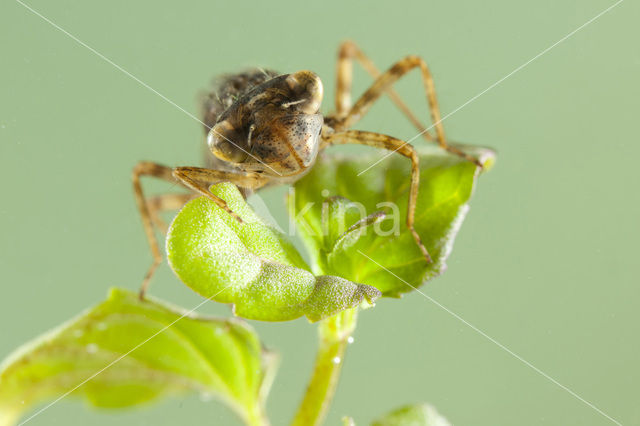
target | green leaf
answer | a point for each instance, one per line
(135, 351)
(413, 415)
(354, 225)
(251, 265)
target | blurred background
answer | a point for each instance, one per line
(545, 263)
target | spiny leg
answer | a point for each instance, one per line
(384, 83)
(165, 202)
(193, 178)
(378, 140)
(200, 180)
(349, 51)
(161, 172)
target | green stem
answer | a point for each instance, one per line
(334, 333)
(257, 418)
(256, 415)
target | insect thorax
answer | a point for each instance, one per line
(227, 89)
(261, 122)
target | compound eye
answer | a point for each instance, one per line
(308, 91)
(223, 141)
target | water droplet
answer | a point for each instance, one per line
(325, 193)
(336, 360)
(101, 326)
(350, 339)
(92, 348)
(78, 333)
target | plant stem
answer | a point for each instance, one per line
(257, 418)
(333, 333)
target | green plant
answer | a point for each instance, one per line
(109, 355)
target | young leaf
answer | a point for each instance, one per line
(251, 265)
(134, 351)
(413, 415)
(354, 225)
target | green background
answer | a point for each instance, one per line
(545, 264)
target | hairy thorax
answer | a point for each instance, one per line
(262, 122)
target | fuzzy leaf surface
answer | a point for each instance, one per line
(348, 220)
(134, 352)
(251, 265)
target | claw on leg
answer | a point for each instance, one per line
(421, 246)
(392, 144)
(196, 179)
(199, 180)
(460, 153)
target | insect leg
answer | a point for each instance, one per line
(378, 140)
(160, 203)
(349, 51)
(161, 172)
(200, 179)
(194, 178)
(384, 83)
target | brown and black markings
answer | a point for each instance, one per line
(265, 128)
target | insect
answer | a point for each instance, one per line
(265, 128)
